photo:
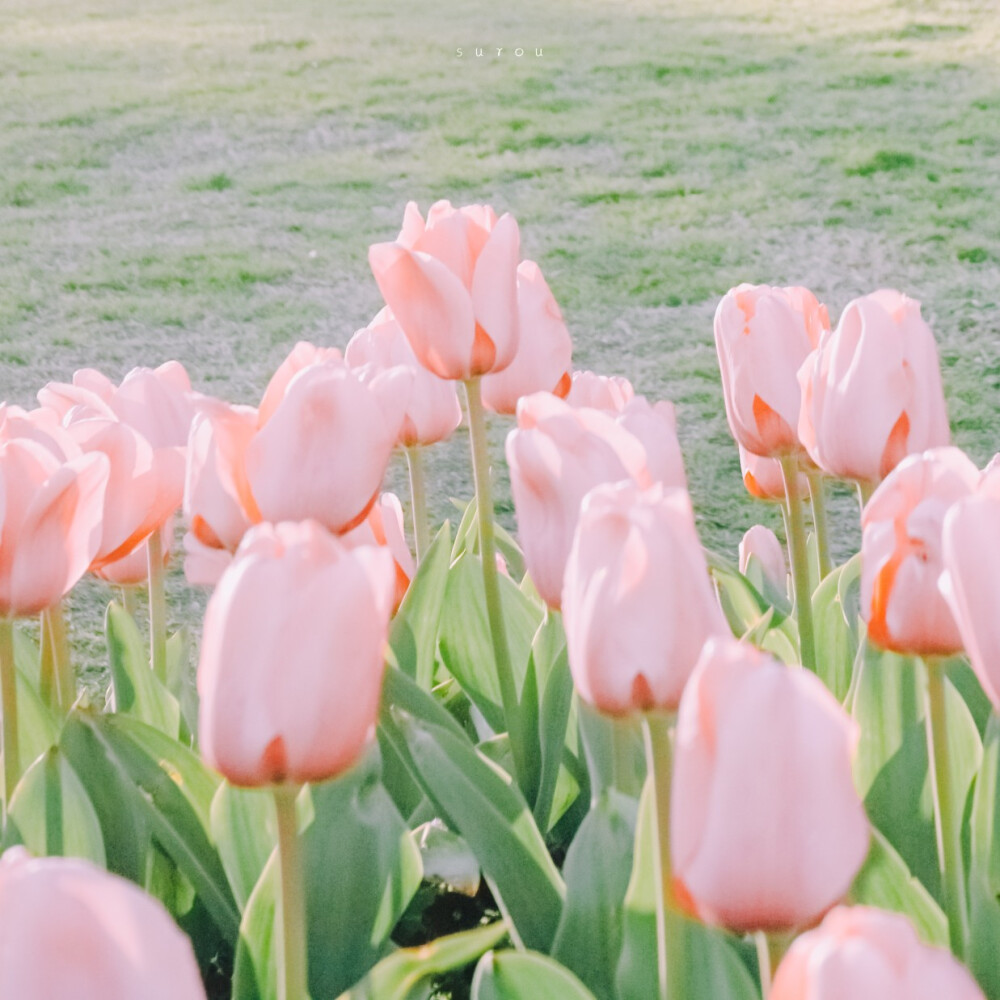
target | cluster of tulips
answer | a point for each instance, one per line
(754, 782)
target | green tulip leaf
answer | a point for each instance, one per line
(244, 830)
(519, 975)
(181, 681)
(37, 729)
(984, 933)
(836, 633)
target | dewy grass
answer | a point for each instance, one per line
(202, 183)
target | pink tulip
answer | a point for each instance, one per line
(860, 953)
(293, 656)
(762, 336)
(433, 411)
(50, 523)
(637, 601)
(41, 425)
(384, 526)
(557, 454)
(71, 930)
(871, 392)
(599, 392)
(767, 830)
(451, 282)
(544, 350)
(971, 555)
(762, 477)
(303, 355)
(325, 449)
(763, 545)
(133, 569)
(901, 557)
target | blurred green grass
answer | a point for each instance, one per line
(202, 181)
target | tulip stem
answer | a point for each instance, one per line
(292, 970)
(157, 607)
(130, 601)
(948, 812)
(8, 706)
(57, 682)
(798, 556)
(418, 493)
(659, 765)
(763, 963)
(817, 497)
(865, 491)
(491, 579)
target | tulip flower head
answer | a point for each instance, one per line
(901, 552)
(451, 282)
(767, 829)
(871, 392)
(303, 355)
(762, 544)
(599, 392)
(763, 479)
(762, 336)
(293, 655)
(861, 953)
(70, 929)
(637, 601)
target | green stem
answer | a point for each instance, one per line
(292, 975)
(798, 556)
(817, 497)
(948, 812)
(865, 491)
(8, 706)
(130, 600)
(491, 581)
(659, 764)
(763, 963)
(418, 493)
(61, 687)
(157, 607)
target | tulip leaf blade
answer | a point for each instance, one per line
(52, 815)
(553, 721)
(244, 829)
(836, 634)
(520, 975)
(985, 821)
(255, 970)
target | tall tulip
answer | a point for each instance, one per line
(637, 600)
(767, 829)
(544, 351)
(871, 392)
(861, 953)
(70, 929)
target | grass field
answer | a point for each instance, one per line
(202, 181)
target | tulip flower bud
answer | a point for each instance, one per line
(599, 392)
(861, 953)
(763, 545)
(384, 526)
(303, 355)
(763, 479)
(971, 555)
(637, 601)
(293, 655)
(70, 929)
(544, 350)
(433, 411)
(50, 523)
(871, 392)
(901, 557)
(451, 283)
(558, 453)
(762, 336)
(767, 829)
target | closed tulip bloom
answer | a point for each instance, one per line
(557, 454)
(451, 283)
(763, 545)
(654, 425)
(637, 601)
(767, 831)
(433, 411)
(325, 449)
(871, 393)
(971, 554)
(303, 355)
(599, 392)
(762, 336)
(544, 351)
(293, 656)
(50, 523)
(69, 929)
(763, 479)
(861, 953)
(901, 555)
(384, 526)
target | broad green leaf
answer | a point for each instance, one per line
(553, 721)
(508, 548)
(525, 975)
(181, 681)
(27, 657)
(985, 822)
(597, 869)
(480, 802)
(400, 974)
(51, 814)
(399, 691)
(244, 830)
(614, 751)
(255, 970)
(885, 881)
(984, 934)
(138, 692)
(759, 579)
(836, 636)
(961, 674)
(466, 533)
(741, 603)
(413, 635)
(37, 729)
